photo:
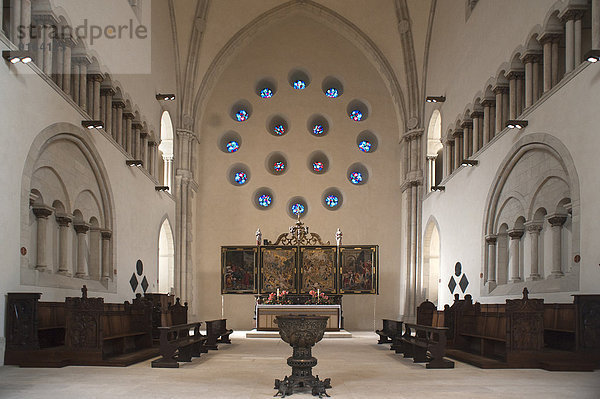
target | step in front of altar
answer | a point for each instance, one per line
(275, 334)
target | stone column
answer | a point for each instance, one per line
(41, 213)
(144, 153)
(500, 92)
(595, 24)
(83, 86)
(556, 221)
(26, 11)
(451, 156)
(569, 43)
(128, 135)
(106, 237)
(168, 171)
(515, 256)
(67, 67)
(534, 228)
(458, 147)
(529, 60)
(555, 78)
(550, 59)
(75, 76)
(491, 243)
(108, 109)
(48, 48)
(137, 139)
(467, 126)
(478, 116)
(536, 78)
(118, 121)
(15, 21)
(63, 221)
(151, 156)
(81, 229)
(95, 111)
(59, 59)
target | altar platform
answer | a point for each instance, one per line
(275, 334)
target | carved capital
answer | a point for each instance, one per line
(531, 57)
(515, 74)
(477, 114)
(457, 133)
(81, 227)
(107, 91)
(516, 234)
(571, 14)
(491, 239)
(533, 227)
(500, 88)
(106, 234)
(118, 103)
(467, 124)
(96, 77)
(488, 102)
(63, 219)
(557, 219)
(128, 115)
(413, 134)
(549, 37)
(42, 211)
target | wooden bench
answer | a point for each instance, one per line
(216, 332)
(426, 344)
(391, 328)
(166, 311)
(179, 343)
(427, 315)
(560, 321)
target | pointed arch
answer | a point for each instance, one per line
(166, 257)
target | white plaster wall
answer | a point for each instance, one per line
(30, 104)
(370, 214)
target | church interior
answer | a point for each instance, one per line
(419, 168)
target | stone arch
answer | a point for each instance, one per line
(320, 13)
(166, 148)
(166, 257)
(431, 261)
(434, 149)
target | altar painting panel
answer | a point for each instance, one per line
(318, 269)
(238, 270)
(278, 269)
(358, 270)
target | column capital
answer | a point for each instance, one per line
(81, 59)
(500, 88)
(572, 13)
(42, 211)
(128, 115)
(81, 227)
(106, 234)
(412, 134)
(63, 219)
(533, 226)
(431, 157)
(449, 141)
(516, 234)
(107, 91)
(96, 77)
(557, 219)
(531, 56)
(457, 133)
(488, 102)
(549, 36)
(491, 238)
(137, 124)
(118, 103)
(144, 134)
(467, 124)
(477, 114)
(515, 74)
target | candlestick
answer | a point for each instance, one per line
(277, 292)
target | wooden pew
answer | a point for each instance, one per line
(102, 334)
(560, 320)
(427, 315)
(35, 331)
(179, 343)
(391, 328)
(216, 332)
(426, 344)
(166, 311)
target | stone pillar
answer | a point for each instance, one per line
(151, 156)
(95, 111)
(547, 40)
(168, 171)
(491, 243)
(63, 221)
(571, 17)
(529, 60)
(555, 77)
(537, 84)
(128, 135)
(430, 172)
(25, 41)
(595, 24)
(478, 116)
(556, 221)
(75, 76)
(137, 139)
(569, 44)
(515, 255)
(15, 21)
(500, 115)
(534, 228)
(118, 121)
(451, 156)
(67, 67)
(81, 229)
(83, 86)
(106, 237)
(41, 213)
(467, 126)
(144, 153)
(458, 147)
(59, 59)
(48, 48)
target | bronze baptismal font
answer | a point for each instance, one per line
(302, 333)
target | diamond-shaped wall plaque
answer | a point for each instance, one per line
(133, 282)
(464, 283)
(144, 284)
(452, 284)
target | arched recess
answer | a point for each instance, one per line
(431, 261)
(166, 258)
(520, 189)
(166, 149)
(320, 13)
(434, 150)
(65, 169)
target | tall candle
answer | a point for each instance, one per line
(277, 292)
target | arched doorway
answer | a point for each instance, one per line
(166, 259)
(431, 263)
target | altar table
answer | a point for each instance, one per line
(265, 315)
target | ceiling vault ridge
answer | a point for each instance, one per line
(318, 11)
(426, 56)
(178, 82)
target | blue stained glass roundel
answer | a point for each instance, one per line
(265, 200)
(318, 130)
(356, 115)
(279, 166)
(332, 92)
(332, 201)
(233, 146)
(364, 146)
(241, 178)
(242, 115)
(266, 93)
(297, 209)
(299, 84)
(356, 177)
(318, 166)
(279, 130)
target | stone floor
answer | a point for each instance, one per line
(358, 368)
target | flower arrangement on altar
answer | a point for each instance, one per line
(319, 298)
(278, 298)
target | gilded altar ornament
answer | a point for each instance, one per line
(299, 235)
(338, 237)
(258, 237)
